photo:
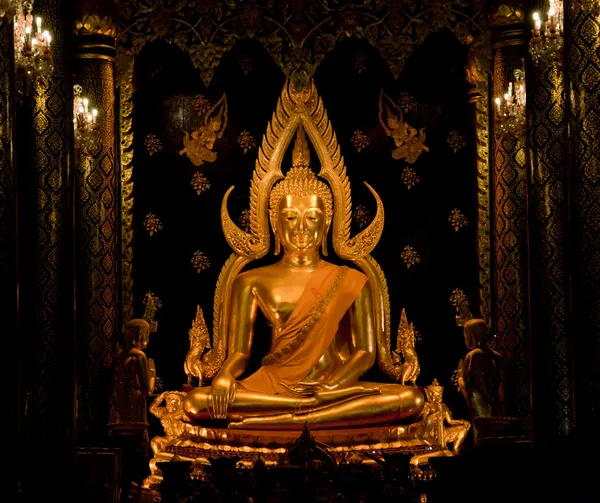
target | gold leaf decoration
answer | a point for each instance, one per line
(410, 177)
(152, 223)
(406, 102)
(246, 141)
(153, 144)
(457, 219)
(456, 141)
(360, 140)
(157, 302)
(201, 105)
(361, 215)
(200, 261)
(244, 220)
(410, 256)
(200, 183)
(458, 297)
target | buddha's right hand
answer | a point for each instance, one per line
(222, 393)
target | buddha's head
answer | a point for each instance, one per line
(137, 333)
(476, 333)
(300, 206)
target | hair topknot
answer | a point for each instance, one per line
(301, 181)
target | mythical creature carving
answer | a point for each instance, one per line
(409, 141)
(198, 146)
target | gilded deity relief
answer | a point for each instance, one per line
(409, 141)
(199, 144)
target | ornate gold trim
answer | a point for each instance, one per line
(125, 65)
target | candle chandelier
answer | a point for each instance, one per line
(84, 121)
(510, 109)
(33, 55)
(547, 36)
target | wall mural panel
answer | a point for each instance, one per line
(411, 139)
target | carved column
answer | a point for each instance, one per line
(96, 217)
(510, 255)
(583, 70)
(46, 335)
(552, 393)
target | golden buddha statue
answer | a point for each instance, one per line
(323, 333)
(329, 323)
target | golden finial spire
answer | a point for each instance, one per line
(300, 154)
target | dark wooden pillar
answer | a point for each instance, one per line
(96, 215)
(47, 337)
(509, 235)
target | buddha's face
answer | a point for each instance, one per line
(302, 223)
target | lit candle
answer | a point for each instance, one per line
(538, 24)
(38, 22)
(94, 114)
(81, 110)
(510, 88)
(498, 101)
(85, 105)
(28, 36)
(47, 38)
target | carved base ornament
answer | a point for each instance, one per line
(330, 324)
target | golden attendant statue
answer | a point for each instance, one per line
(329, 324)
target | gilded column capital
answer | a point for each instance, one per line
(96, 29)
(507, 21)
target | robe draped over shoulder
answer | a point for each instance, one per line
(309, 330)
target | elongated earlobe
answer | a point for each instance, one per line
(277, 250)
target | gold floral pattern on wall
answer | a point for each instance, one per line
(410, 256)
(199, 182)
(457, 219)
(153, 144)
(409, 177)
(246, 141)
(361, 215)
(406, 102)
(155, 299)
(152, 223)
(458, 297)
(200, 261)
(244, 220)
(456, 141)
(201, 105)
(360, 140)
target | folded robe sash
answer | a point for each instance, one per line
(310, 329)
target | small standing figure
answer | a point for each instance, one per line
(133, 380)
(479, 375)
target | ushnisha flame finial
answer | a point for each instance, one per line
(301, 153)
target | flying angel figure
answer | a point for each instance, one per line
(198, 144)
